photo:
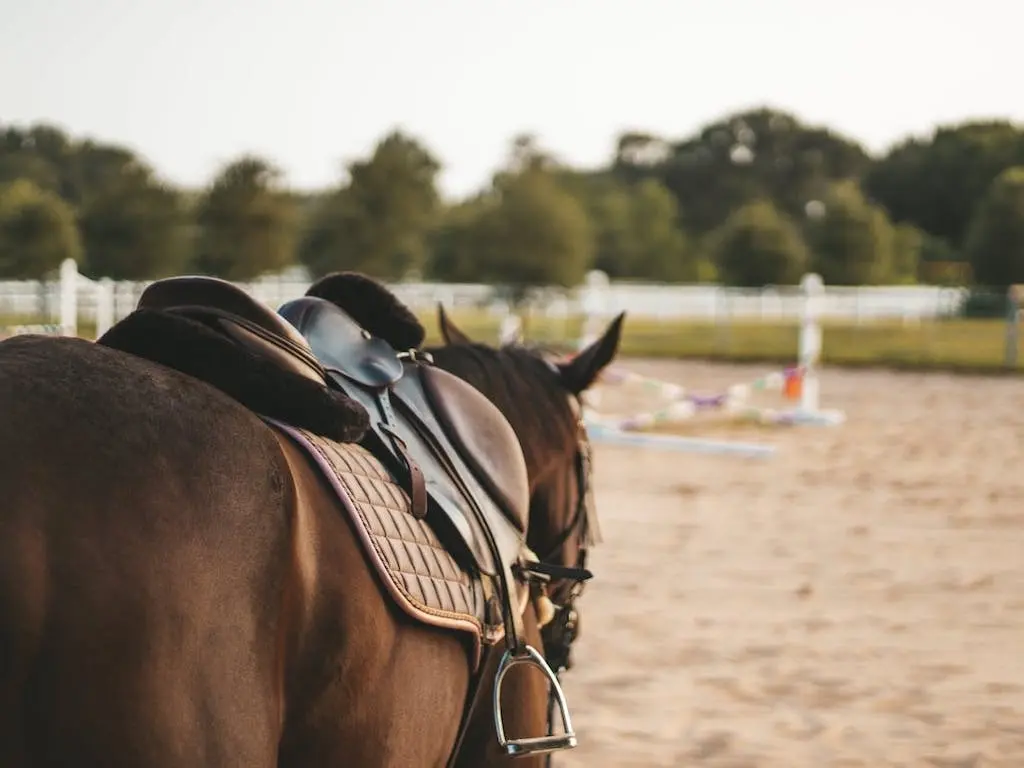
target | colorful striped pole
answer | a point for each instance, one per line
(601, 433)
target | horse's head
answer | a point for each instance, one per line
(541, 398)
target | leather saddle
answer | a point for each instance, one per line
(455, 452)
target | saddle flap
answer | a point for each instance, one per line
(341, 344)
(484, 439)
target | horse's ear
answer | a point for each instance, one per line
(451, 334)
(582, 371)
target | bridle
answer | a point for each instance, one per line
(560, 633)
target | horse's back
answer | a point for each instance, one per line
(144, 545)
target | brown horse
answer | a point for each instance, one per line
(179, 587)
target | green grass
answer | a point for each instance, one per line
(947, 345)
(967, 346)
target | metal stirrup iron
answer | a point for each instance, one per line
(537, 745)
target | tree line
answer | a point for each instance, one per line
(756, 198)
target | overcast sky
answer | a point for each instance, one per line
(311, 83)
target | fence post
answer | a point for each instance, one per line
(69, 298)
(810, 341)
(104, 305)
(1014, 299)
(511, 330)
(594, 304)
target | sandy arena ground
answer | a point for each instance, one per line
(858, 600)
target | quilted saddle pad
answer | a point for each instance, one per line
(415, 567)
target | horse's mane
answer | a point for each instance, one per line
(522, 382)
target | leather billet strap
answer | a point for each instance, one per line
(417, 482)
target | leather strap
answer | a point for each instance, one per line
(417, 482)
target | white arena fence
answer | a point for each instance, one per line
(99, 303)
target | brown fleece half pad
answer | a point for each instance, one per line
(196, 349)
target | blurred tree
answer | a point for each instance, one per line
(609, 207)
(635, 227)
(637, 155)
(96, 167)
(525, 153)
(760, 154)
(246, 223)
(47, 156)
(936, 183)
(757, 246)
(908, 249)
(658, 249)
(381, 219)
(378, 223)
(454, 249)
(21, 159)
(531, 232)
(134, 228)
(851, 241)
(995, 240)
(37, 231)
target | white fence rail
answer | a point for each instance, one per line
(40, 301)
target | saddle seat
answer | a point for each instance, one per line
(340, 344)
(237, 314)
